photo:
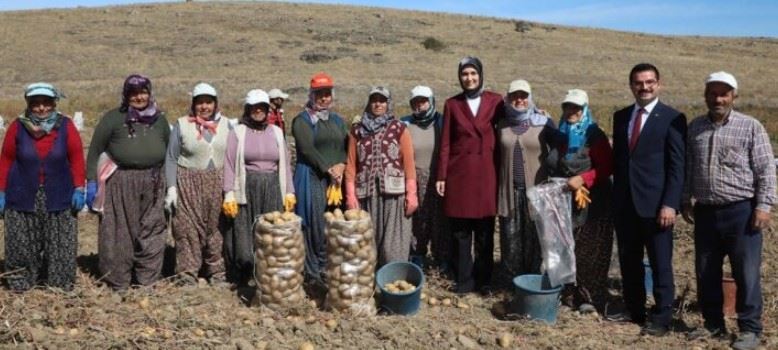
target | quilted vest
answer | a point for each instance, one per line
(379, 158)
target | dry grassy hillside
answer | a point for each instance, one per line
(237, 46)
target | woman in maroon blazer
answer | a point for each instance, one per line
(467, 177)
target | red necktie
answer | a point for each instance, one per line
(633, 140)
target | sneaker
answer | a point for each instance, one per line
(746, 341)
(185, 280)
(654, 330)
(707, 333)
(586, 309)
(219, 280)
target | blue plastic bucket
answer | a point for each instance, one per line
(400, 303)
(536, 298)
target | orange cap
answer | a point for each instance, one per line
(321, 80)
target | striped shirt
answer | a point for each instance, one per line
(729, 162)
(518, 157)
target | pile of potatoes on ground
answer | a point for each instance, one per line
(279, 260)
(351, 262)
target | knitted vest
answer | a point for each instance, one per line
(378, 157)
(197, 154)
(24, 175)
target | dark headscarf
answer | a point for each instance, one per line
(146, 116)
(475, 63)
(370, 123)
(250, 122)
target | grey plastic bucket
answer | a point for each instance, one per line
(400, 303)
(535, 298)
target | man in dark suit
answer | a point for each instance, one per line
(649, 148)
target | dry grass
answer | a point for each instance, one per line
(238, 46)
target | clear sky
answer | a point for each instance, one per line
(679, 17)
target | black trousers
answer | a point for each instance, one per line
(727, 230)
(634, 234)
(473, 272)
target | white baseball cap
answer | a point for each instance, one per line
(520, 85)
(277, 93)
(204, 89)
(41, 89)
(421, 91)
(257, 96)
(577, 97)
(381, 91)
(722, 77)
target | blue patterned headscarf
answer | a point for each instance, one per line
(576, 133)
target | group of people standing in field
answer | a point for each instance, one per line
(434, 184)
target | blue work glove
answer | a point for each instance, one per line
(77, 202)
(91, 190)
(2, 203)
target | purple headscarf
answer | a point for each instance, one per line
(146, 116)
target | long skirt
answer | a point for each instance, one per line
(131, 234)
(593, 249)
(392, 228)
(315, 239)
(198, 223)
(519, 243)
(429, 223)
(40, 246)
(263, 195)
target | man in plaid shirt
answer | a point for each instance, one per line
(730, 175)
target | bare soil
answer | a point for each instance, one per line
(238, 46)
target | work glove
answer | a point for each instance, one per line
(171, 199)
(582, 199)
(334, 195)
(2, 203)
(91, 191)
(77, 202)
(289, 202)
(411, 197)
(351, 195)
(230, 205)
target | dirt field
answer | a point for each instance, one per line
(168, 317)
(238, 46)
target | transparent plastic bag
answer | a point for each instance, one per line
(550, 207)
(351, 263)
(278, 261)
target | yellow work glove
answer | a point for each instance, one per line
(334, 195)
(289, 202)
(582, 199)
(230, 205)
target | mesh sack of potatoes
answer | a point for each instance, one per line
(279, 260)
(351, 262)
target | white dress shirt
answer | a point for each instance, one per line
(648, 108)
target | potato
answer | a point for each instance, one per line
(278, 221)
(363, 226)
(352, 214)
(269, 217)
(329, 217)
(288, 216)
(338, 214)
